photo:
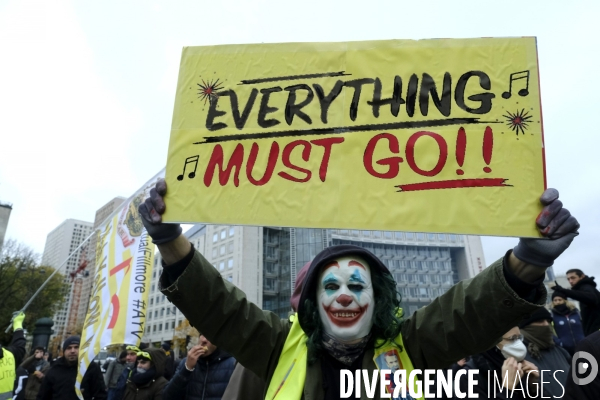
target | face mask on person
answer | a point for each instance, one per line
(140, 370)
(345, 299)
(514, 349)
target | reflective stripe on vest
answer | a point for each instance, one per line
(7, 375)
(288, 379)
(289, 376)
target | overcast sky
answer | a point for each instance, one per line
(87, 90)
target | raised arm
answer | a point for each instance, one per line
(212, 305)
(473, 314)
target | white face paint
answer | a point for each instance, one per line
(345, 298)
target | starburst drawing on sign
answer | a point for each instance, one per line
(518, 121)
(209, 90)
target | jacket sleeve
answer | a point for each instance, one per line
(586, 295)
(96, 387)
(45, 392)
(17, 346)
(110, 370)
(466, 320)
(177, 386)
(255, 338)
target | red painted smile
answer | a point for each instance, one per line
(344, 318)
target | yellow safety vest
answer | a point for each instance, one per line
(288, 379)
(7, 375)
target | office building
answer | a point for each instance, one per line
(60, 243)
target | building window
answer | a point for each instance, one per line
(221, 265)
(354, 233)
(452, 238)
(214, 252)
(173, 325)
(230, 263)
(431, 236)
(162, 312)
(223, 234)
(230, 278)
(409, 235)
(152, 301)
(155, 313)
(230, 247)
(159, 327)
(215, 237)
(387, 234)
(420, 236)
(222, 250)
(377, 234)
(441, 237)
(154, 328)
(231, 231)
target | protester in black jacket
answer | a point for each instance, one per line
(170, 362)
(583, 289)
(11, 356)
(583, 368)
(59, 382)
(203, 375)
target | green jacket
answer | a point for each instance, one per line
(466, 320)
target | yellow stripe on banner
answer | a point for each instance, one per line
(122, 291)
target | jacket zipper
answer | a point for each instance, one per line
(205, 378)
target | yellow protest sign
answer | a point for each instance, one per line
(439, 135)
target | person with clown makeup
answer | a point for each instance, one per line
(349, 315)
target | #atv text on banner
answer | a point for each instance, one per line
(124, 262)
(439, 135)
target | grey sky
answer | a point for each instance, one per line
(87, 90)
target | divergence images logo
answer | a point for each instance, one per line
(580, 368)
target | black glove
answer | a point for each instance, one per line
(151, 211)
(557, 287)
(554, 222)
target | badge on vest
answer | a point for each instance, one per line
(391, 360)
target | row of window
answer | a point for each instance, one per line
(154, 327)
(169, 310)
(220, 250)
(223, 234)
(421, 292)
(418, 265)
(423, 278)
(440, 237)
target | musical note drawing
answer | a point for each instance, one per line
(189, 160)
(514, 77)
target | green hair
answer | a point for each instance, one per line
(387, 320)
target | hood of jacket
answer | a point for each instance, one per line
(588, 280)
(159, 359)
(329, 254)
(569, 311)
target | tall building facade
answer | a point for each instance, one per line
(264, 261)
(5, 210)
(60, 243)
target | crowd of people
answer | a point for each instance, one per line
(346, 316)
